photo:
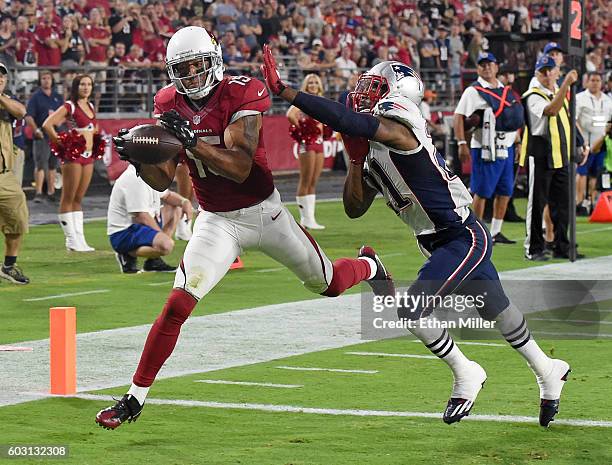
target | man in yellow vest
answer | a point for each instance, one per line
(13, 207)
(546, 151)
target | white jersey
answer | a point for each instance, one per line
(130, 195)
(417, 184)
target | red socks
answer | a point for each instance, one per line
(163, 336)
(347, 273)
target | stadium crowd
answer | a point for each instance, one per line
(124, 42)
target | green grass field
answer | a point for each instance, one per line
(170, 434)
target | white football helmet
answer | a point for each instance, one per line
(386, 79)
(194, 61)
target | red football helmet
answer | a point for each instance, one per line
(369, 90)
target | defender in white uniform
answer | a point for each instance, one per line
(391, 152)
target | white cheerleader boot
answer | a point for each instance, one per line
(82, 244)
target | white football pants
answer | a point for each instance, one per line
(218, 238)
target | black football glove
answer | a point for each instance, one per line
(119, 140)
(179, 126)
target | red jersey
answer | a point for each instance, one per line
(79, 118)
(96, 53)
(25, 40)
(233, 98)
(47, 56)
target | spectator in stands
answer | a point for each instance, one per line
(42, 103)
(443, 44)
(300, 31)
(248, 24)
(135, 65)
(492, 153)
(593, 111)
(225, 14)
(47, 36)
(270, 24)
(429, 52)
(122, 24)
(413, 27)
(345, 67)
(328, 37)
(310, 156)
(72, 44)
(13, 206)
(15, 10)
(7, 41)
(138, 226)
(382, 54)
(98, 38)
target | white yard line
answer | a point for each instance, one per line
(333, 370)
(594, 230)
(164, 283)
(354, 412)
(71, 294)
(383, 354)
(593, 322)
(248, 383)
(270, 270)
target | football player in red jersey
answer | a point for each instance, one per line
(219, 121)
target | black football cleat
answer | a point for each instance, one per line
(127, 408)
(550, 391)
(499, 238)
(466, 387)
(456, 409)
(127, 263)
(381, 283)
(157, 265)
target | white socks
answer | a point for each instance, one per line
(72, 225)
(306, 205)
(513, 327)
(441, 344)
(496, 226)
(139, 392)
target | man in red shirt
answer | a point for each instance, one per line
(47, 36)
(99, 38)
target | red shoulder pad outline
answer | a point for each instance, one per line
(248, 93)
(164, 99)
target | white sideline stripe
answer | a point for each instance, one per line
(353, 412)
(164, 283)
(334, 370)
(594, 335)
(394, 254)
(248, 383)
(592, 310)
(71, 294)
(382, 354)
(593, 322)
(594, 230)
(270, 270)
(468, 343)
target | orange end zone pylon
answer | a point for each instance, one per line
(603, 209)
(237, 264)
(62, 348)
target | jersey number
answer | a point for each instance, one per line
(240, 80)
(399, 201)
(203, 171)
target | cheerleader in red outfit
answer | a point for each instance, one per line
(310, 154)
(76, 171)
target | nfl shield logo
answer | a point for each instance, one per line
(196, 119)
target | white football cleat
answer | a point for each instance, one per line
(466, 387)
(551, 386)
(312, 224)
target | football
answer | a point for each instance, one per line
(151, 144)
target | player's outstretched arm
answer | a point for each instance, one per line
(358, 195)
(338, 116)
